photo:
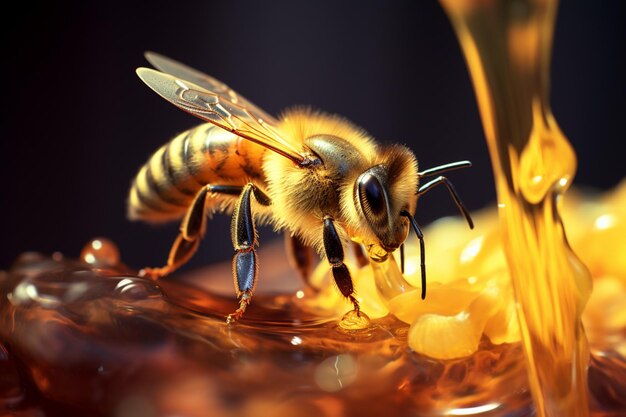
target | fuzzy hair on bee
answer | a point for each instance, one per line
(319, 178)
(306, 196)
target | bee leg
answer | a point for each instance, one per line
(182, 250)
(243, 234)
(301, 257)
(334, 253)
(191, 231)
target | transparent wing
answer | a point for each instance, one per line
(219, 109)
(180, 70)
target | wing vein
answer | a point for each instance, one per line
(213, 101)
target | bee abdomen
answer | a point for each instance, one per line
(166, 185)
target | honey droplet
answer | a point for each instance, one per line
(354, 321)
(100, 252)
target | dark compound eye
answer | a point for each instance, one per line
(372, 194)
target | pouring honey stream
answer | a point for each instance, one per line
(507, 45)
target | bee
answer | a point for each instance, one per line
(316, 176)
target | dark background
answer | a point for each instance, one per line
(77, 123)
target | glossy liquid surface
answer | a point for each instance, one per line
(91, 338)
(507, 45)
(103, 340)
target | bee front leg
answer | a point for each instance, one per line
(191, 231)
(334, 253)
(243, 235)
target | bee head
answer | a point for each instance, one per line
(382, 193)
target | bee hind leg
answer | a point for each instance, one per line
(301, 257)
(334, 253)
(192, 231)
(182, 250)
(243, 234)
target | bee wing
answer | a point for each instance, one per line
(218, 108)
(180, 70)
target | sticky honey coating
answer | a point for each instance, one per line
(166, 185)
(470, 295)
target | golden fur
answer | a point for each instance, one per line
(302, 197)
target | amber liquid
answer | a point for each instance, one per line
(85, 341)
(91, 338)
(507, 44)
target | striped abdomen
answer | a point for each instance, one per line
(166, 185)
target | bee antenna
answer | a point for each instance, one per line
(420, 236)
(424, 188)
(444, 168)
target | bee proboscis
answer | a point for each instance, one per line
(318, 177)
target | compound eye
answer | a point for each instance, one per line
(372, 194)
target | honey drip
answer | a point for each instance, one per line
(507, 45)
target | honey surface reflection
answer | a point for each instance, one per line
(97, 339)
(92, 338)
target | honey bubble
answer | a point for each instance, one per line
(100, 252)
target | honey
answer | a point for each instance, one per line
(108, 343)
(92, 338)
(507, 45)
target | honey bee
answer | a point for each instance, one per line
(318, 177)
